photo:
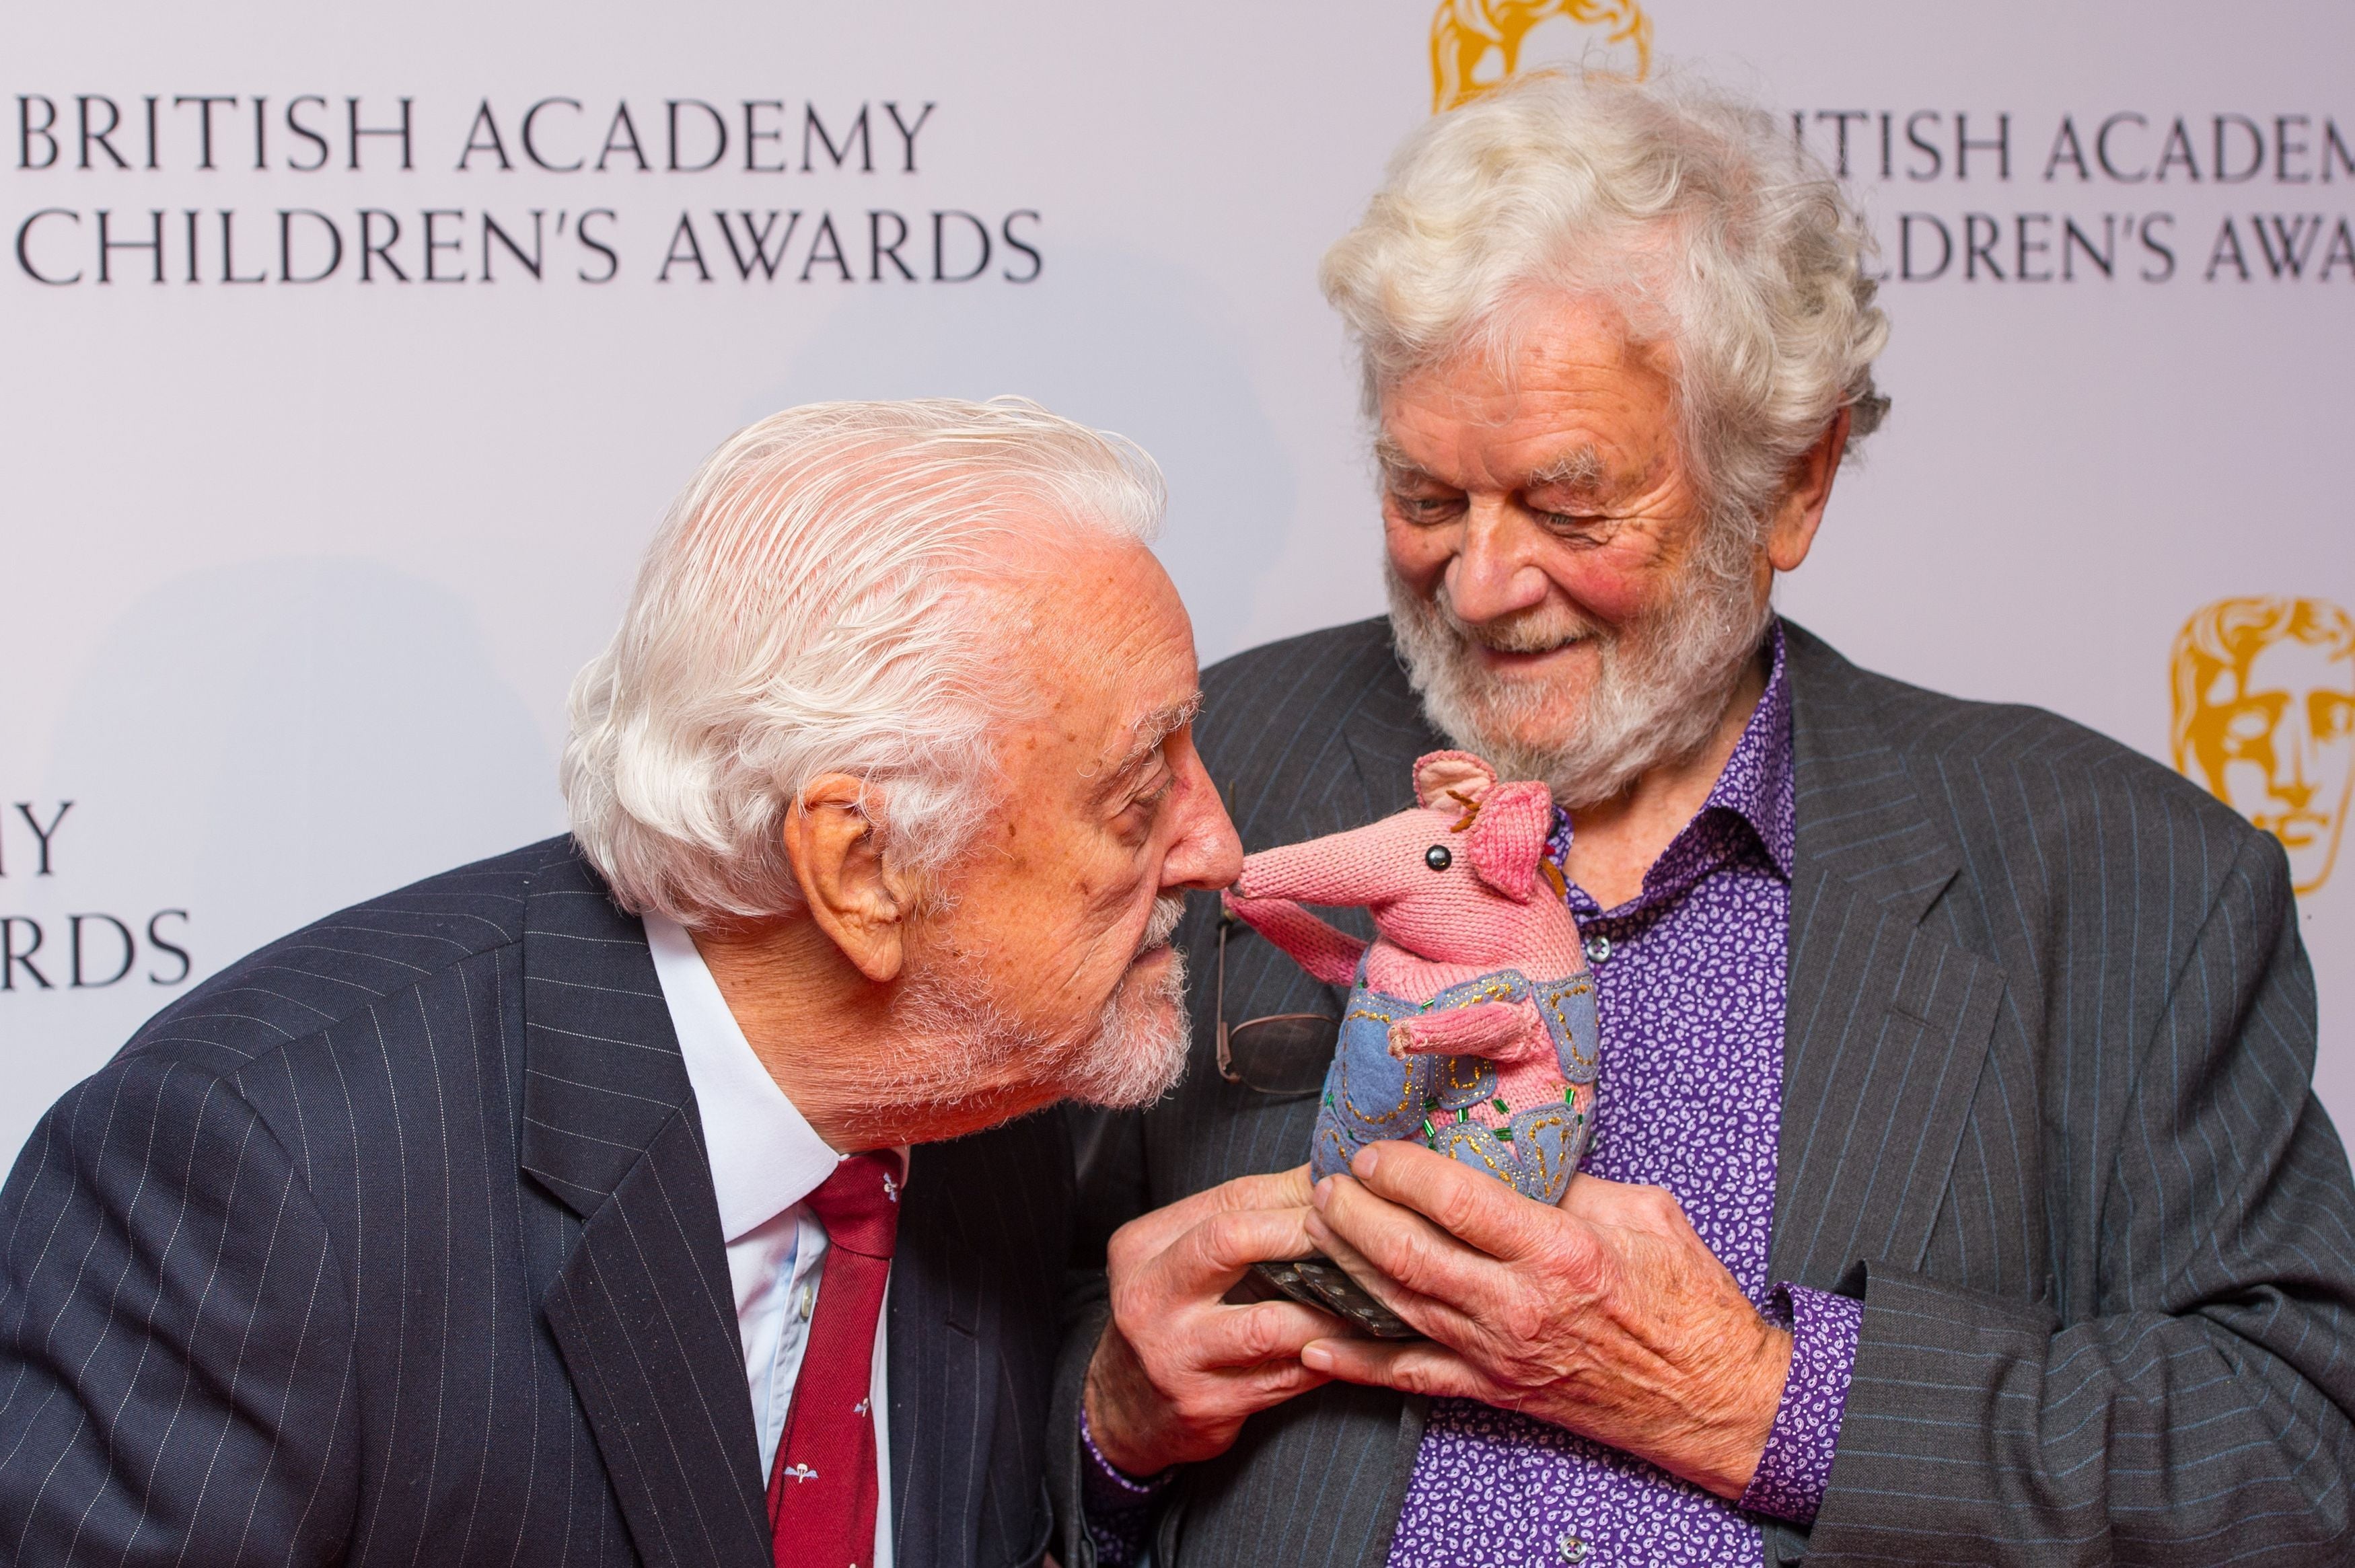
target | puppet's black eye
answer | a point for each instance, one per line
(1437, 858)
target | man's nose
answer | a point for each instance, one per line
(1207, 853)
(1492, 575)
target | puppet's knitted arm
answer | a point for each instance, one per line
(1502, 1032)
(1330, 955)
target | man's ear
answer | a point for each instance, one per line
(1802, 510)
(836, 853)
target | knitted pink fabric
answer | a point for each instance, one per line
(1454, 889)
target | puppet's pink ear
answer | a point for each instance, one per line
(1438, 774)
(1508, 838)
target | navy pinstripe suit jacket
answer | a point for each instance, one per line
(396, 1243)
(2046, 1108)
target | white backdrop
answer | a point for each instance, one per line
(297, 572)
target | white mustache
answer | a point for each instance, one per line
(1167, 910)
(1540, 631)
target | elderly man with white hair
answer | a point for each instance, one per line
(1956, 1190)
(663, 1194)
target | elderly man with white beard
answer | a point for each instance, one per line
(667, 1191)
(1956, 1190)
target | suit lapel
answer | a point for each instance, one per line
(641, 1310)
(1887, 1022)
(1386, 732)
(942, 1358)
(1887, 1033)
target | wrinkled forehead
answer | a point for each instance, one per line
(1574, 403)
(1100, 649)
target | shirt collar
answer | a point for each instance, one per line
(765, 1155)
(1756, 787)
(1758, 784)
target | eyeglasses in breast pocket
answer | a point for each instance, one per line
(1278, 1053)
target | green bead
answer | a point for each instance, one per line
(1502, 1109)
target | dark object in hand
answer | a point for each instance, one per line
(1317, 1281)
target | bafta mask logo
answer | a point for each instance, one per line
(1476, 43)
(2265, 716)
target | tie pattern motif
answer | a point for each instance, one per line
(823, 1492)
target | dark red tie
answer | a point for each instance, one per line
(822, 1494)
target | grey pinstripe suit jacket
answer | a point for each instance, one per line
(396, 1243)
(2046, 1109)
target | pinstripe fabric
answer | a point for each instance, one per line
(396, 1243)
(2046, 1108)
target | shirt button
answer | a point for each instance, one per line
(1574, 1550)
(1598, 947)
(809, 1298)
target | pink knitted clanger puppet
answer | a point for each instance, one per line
(1471, 1023)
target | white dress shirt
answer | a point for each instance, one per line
(765, 1158)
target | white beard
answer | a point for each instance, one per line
(1661, 684)
(1134, 1057)
(958, 1040)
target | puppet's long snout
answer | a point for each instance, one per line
(1339, 869)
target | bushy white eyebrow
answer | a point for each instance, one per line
(1581, 468)
(1151, 730)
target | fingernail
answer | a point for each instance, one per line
(1320, 1192)
(1315, 1357)
(1366, 1160)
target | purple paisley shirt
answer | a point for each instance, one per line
(1692, 980)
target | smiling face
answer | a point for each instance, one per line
(1566, 602)
(1048, 958)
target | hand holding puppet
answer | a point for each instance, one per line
(1470, 1026)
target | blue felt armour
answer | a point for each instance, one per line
(1372, 1096)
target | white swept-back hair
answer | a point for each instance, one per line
(1697, 216)
(817, 601)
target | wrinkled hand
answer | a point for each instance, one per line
(1606, 1315)
(1178, 1369)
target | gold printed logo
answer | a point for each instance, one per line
(1465, 35)
(2265, 716)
